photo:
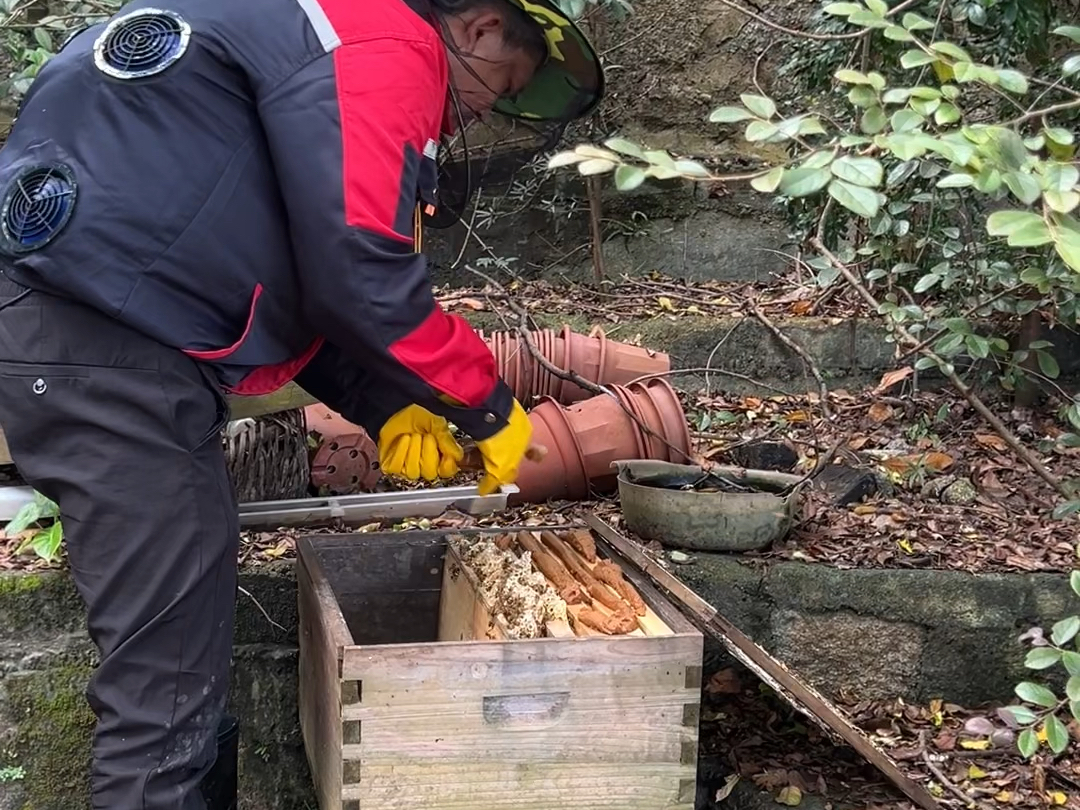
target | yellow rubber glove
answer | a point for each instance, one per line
(415, 443)
(504, 451)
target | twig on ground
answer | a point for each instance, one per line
(910, 756)
(468, 230)
(820, 464)
(823, 299)
(664, 291)
(808, 34)
(823, 390)
(723, 372)
(596, 213)
(715, 349)
(262, 610)
(967, 393)
(942, 779)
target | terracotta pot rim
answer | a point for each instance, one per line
(539, 378)
(555, 382)
(671, 410)
(626, 398)
(547, 349)
(582, 478)
(653, 417)
(550, 481)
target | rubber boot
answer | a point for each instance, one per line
(219, 786)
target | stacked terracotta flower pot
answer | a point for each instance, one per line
(584, 438)
(582, 432)
(592, 357)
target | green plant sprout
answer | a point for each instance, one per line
(45, 542)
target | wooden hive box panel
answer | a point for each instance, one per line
(412, 699)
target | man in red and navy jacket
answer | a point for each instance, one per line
(211, 196)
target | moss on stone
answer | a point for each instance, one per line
(39, 603)
(19, 583)
(52, 740)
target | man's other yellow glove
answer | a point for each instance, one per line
(415, 443)
(504, 451)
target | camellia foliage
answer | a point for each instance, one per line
(976, 155)
(907, 123)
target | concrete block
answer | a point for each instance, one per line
(970, 666)
(731, 587)
(930, 598)
(870, 657)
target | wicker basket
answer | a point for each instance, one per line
(267, 456)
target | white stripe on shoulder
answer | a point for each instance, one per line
(324, 29)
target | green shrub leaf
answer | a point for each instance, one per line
(1037, 694)
(860, 171)
(1027, 743)
(1064, 631)
(1057, 736)
(729, 115)
(1042, 658)
(858, 199)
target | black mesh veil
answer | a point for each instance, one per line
(485, 153)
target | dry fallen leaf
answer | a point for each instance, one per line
(729, 785)
(725, 682)
(471, 303)
(282, 548)
(992, 440)
(879, 412)
(933, 461)
(891, 378)
(790, 795)
(769, 780)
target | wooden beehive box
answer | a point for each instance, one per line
(410, 699)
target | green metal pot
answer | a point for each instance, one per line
(658, 504)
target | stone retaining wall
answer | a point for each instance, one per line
(919, 634)
(850, 353)
(46, 659)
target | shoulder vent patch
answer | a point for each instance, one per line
(37, 204)
(141, 43)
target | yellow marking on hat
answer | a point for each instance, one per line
(551, 23)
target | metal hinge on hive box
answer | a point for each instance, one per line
(351, 509)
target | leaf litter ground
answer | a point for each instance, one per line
(950, 493)
(616, 301)
(750, 734)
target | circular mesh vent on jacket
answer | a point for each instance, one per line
(37, 205)
(142, 43)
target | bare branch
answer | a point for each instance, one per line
(799, 350)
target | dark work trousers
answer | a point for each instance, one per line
(123, 433)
